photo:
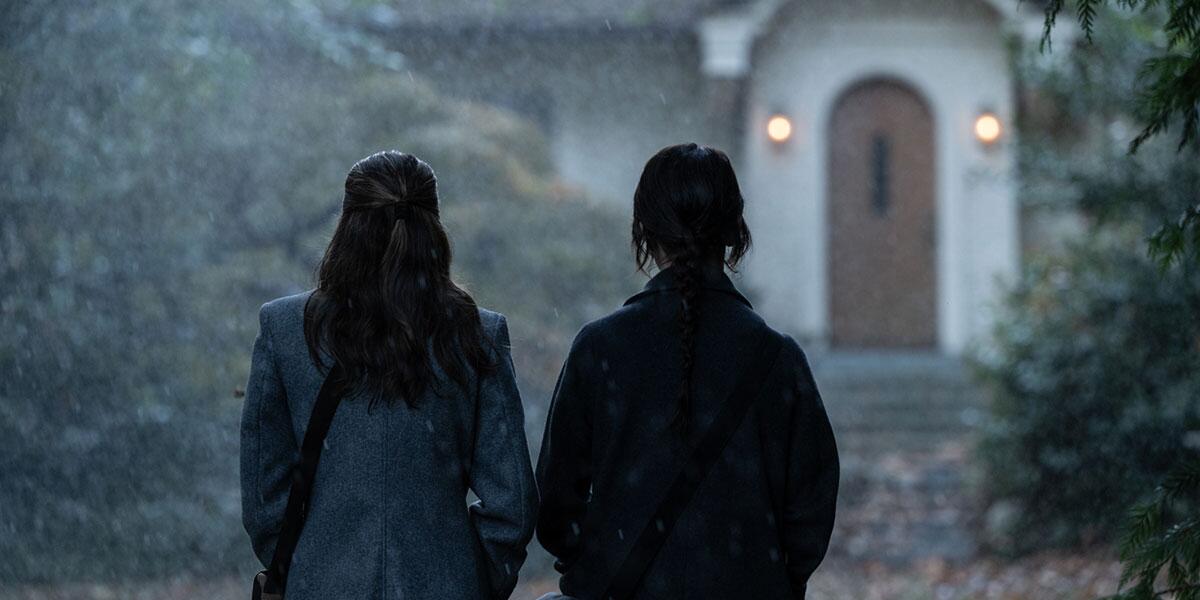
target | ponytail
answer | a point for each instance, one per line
(384, 294)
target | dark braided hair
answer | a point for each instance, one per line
(687, 211)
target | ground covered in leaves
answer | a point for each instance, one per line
(904, 533)
(1040, 577)
(909, 524)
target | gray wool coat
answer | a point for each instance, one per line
(388, 517)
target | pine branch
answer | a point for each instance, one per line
(1149, 544)
(1086, 13)
(1186, 477)
(1178, 240)
(1172, 87)
(1171, 82)
(1177, 589)
(1183, 23)
(1053, 7)
(1144, 521)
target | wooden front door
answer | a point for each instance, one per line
(882, 278)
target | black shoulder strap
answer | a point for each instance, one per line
(303, 475)
(703, 456)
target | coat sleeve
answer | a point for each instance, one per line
(564, 469)
(269, 447)
(812, 482)
(501, 475)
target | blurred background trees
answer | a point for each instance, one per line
(167, 167)
(1161, 538)
(1096, 366)
(1167, 92)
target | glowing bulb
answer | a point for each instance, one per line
(779, 129)
(987, 128)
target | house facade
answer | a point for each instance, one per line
(872, 138)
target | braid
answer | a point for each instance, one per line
(688, 274)
(687, 210)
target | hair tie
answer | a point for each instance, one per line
(400, 208)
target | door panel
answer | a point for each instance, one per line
(883, 284)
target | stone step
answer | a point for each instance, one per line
(856, 448)
(916, 387)
(904, 424)
(883, 365)
(884, 403)
(913, 418)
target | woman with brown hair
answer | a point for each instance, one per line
(416, 387)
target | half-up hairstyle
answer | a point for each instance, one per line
(687, 210)
(384, 301)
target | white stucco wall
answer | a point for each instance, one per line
(953, 54)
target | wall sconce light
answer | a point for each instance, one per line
(779, 128)
(987, 128)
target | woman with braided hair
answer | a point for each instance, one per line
(687, 453)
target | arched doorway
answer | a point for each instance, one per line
(882, 235)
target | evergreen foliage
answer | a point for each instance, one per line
(1169, 83)
(1095, 364)
(1169, 94)
(1095, 376)
(1161, 540)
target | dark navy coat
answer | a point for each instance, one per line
(760, 522)
(388, 518)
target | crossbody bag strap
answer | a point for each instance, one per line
(703, 456)
(303, 475)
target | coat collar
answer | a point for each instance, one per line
(711, 278)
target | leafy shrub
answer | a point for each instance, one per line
(1094, 364)
(1095, 375)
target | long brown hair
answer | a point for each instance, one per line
(687, 209)
(385, 307)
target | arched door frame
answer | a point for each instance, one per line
(943, 258)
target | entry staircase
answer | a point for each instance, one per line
(904, 424)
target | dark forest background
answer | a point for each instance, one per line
(170, 165)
